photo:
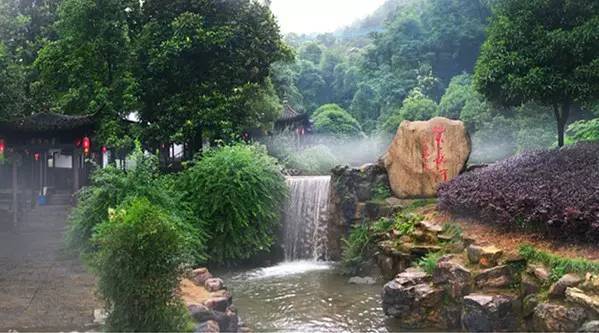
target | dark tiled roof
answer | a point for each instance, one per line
(47, 121)
(289, 114)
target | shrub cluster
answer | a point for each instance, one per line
(111, 187)
(142, 252)
(551, 191)
(237, 192)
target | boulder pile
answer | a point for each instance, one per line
(481, 288)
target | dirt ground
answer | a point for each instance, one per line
(41, 287)
(510, 241)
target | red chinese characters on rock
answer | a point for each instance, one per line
(425, 154)
(438, 133)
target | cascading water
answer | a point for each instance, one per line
(304, 224)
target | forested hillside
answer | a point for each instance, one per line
(193, 74)
(412, 60)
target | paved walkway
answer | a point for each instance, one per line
(42, 288)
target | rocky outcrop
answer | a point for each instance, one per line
(589, 327)
(424, 154)
(558, 289)
(496, 277)
(476, 289)
(557, 318)
(451, 274)
(485, 256)
(412, 298)
(584, 299)
(357, 195)
(489, 313)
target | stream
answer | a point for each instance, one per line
(306, 296)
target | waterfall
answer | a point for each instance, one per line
(305, 218)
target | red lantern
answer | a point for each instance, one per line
(104, 149)
(2, 146)
(86, 145)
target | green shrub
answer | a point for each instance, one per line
(559, 265)
(584, 130)
(355, 248)
(381, 192)
(142, 252)
(382, 225)
(405, 223)
(238, 192)
(429, 261)
(337, 122)
(110, 187)
(317, 160)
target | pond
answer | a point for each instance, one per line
(306, 296)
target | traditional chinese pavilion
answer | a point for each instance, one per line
(291, 120)
(43, 155)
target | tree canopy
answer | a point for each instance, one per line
(542, 51)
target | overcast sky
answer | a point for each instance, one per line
(306, 16)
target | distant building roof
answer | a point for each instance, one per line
(47, 122)
(290, 115)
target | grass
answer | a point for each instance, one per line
(452, 230)
(559, 265)
(429, 261)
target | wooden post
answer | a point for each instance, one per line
(75, 163)
(15, 194)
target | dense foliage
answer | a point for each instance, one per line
(111, 187)
(203, 74)
(142, 252)
(187, 70)
(542, 51)
(548, 191)
(238, 193)
(333, 120)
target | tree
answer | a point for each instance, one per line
(365, 106)
(415, 107)
(198, 67)
(12, 91)
(542, 51)
(455, 97)
(332, 119)
(311, 52)
(88, 67)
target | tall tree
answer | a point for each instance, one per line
(88, 66)
(199, 62)
(543, 51)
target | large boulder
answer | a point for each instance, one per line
(558, 318)
(451, 274)
(424, 154)
(414, 301)
(489, 313)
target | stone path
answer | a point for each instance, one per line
(41, 287)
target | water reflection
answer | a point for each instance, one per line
(306, 296)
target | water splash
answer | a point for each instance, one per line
(305, 218)
(285, 269)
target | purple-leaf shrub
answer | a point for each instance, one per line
(551, 191)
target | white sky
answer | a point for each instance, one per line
(307, 16)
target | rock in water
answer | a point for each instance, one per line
(424, 154)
